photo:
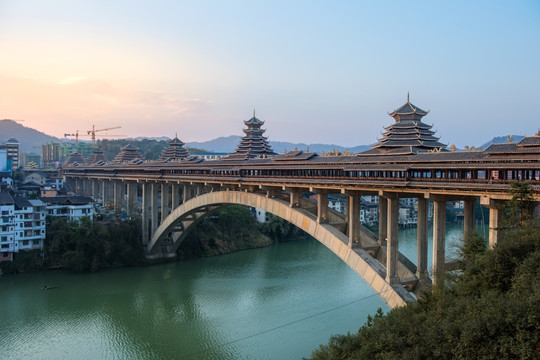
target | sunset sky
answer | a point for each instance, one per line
(314, 71)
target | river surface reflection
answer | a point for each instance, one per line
(279, 302)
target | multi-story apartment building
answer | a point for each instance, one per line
(29, 224)
(71, 207)
(22, 225)
(7, 226)
(12, 150)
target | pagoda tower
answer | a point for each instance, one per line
(408, 133)
(253, 144)
(128, 153)
(74, 157)
(97, 156)
(175, 151)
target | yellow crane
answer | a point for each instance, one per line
(94, 131)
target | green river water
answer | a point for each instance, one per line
(279, 302)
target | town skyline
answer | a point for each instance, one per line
(314, 72)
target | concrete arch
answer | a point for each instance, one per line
(172, 231)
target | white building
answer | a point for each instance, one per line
(29, 224)
(261, 216)
(7, 226)
(71, 207)
(22, 225)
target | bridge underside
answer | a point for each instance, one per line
(364, 256)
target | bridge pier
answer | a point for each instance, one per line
(422, 246)
(165, 209)
(131, 198)
(118, 188)
(95, 189)
(175, 195)
(145, 213)
(383, 220)
(322, 206)
(439, 228)
(186, 192)
(495, 216)
(154, 194)
(392, 276)
(353, 217)
(106, 188)
(468, 217)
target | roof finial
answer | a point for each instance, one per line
(407, 96)
(253, 112)
(176, 135)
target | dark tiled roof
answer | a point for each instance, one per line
(408, 111)
(512, 148)
(295, 155)
(530, 141)
(6, 199)
(21, 202)
(97, 156)
(67, 200)
(128, 153)
(74, 158)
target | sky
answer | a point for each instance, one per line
(314, 71)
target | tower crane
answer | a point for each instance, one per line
(76, 136)
(94, 131)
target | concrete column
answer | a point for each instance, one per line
(106, 185)
(294, 200)
(495, 216)
(439, 229)
(322, 206)
(353, 207)
(422, 248)
(77, 187)
(132, 199)
(165, 209)
(468, 218)
(154, 207)
(175, 195)
(392, 239)
(198, 189)
(146, 212)
(95, 189)
(82, 190)
(88, 187)
(383, 220)
(186, 192)
(118, 196)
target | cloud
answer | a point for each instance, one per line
(80, 102)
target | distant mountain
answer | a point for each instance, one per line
(501, 140)
(227, 144)
(30, 139)
(159, 138)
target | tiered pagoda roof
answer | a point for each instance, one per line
(128, 153)
(97, 156)
(253, 144)
(407, 133)
(175, 151)
(74, 157)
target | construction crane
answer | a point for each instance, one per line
(94, 131)
(76, 136)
